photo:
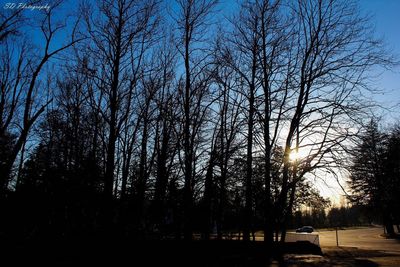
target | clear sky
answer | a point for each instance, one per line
(386, 18)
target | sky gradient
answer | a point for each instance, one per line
(386, 18)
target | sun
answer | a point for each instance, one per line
(297, 154)
(294, 155)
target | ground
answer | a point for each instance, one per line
(358, 247)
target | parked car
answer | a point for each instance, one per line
(305, 229)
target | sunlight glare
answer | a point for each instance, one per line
(294, 155)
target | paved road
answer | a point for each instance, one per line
(365, 238)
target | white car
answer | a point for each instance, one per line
(305, 229)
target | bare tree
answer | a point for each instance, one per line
(11, 19)
(335, 50)
(191, 19)
(243, 58)
(227, 138)
(304, 67)
(274, 64)
(13, 86)
(121, 32)
(165, 145)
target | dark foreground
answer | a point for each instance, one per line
(112, 252)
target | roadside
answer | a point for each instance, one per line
(371, 238)
(344, 256)
(364, 246)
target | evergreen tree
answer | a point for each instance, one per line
(369, 180)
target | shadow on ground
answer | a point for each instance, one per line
(113, 252)
(344, 256)
(97, 251)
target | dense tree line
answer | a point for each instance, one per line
(334, 217)
(146, 123)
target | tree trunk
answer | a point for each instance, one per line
(112, 134)
(141, 186)
(248, 214)
(161, 179)
(208, 194)
(222, 200)
(388, 223)
(188, 146)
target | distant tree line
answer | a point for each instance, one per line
(153, 119)
(334, 217)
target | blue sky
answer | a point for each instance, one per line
(386, 18)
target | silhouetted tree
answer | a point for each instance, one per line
(166, 136)
(369, 179)
(121, 32)
(22, 95)
(242, 56)
(392, 171)
(191, 21)
(153, 126)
